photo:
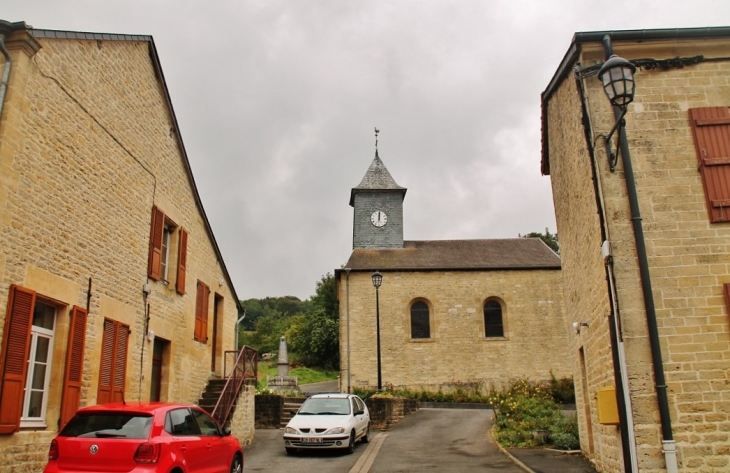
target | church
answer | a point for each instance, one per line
(444, 314)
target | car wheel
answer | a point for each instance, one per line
(291, 451)
(351, 445)
(236, 465)
(365, 438)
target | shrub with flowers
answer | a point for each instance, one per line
(526, 415)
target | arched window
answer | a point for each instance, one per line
(493, 319)
(420, 320)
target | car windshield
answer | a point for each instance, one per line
(325, 406)
(108, 425)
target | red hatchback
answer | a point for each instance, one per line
(144, 437)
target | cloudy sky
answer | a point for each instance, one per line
(277, 101)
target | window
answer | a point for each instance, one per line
(35, 397)
(420, 320)
(201, 313)
(206, 424)
(493, 319)
(27, 364)
(180, 422)
(113, 367)
(162, 233)
(711, 130)
(165, 251)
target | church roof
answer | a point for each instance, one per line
(377, 178)
(512, 253)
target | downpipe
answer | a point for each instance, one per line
(6, 73)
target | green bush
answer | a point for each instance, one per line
(523, 410)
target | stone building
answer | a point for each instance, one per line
(111, 281)
(471, 314)
(645, 246)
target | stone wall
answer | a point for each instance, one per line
(688, 257)
(384, 412)
(268, 410)
(87, 146)
(458, 353)
(243, 420)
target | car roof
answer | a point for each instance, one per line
(146, 407)
(331, 395)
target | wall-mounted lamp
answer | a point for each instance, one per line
(617, 77)
(150, 335)
(146, 289)
(578, 325)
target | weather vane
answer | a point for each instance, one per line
(376, 138)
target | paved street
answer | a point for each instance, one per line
(450, 440)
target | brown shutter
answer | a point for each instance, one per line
(711, 130)
(14, 360)
(201, 313)
(157, 229)
(113, 369)
(120, 362)
(182, 261)
(74, 364)
(106, 367)
(726, 289)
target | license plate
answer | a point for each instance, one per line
(311, 439)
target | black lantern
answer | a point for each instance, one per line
(617, 77)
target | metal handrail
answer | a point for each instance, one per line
(245, 368)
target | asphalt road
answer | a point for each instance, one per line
(444, 440)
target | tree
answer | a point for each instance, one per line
(325, 297)
(314, 338)
(550, 239)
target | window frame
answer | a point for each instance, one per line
(37, 332)
(429, 319)
(502, 324)
(166, 237)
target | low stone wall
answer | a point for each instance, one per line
(242, 421)
(385, 412)
(268, 411)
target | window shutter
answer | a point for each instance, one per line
(104, 392)
(711, 130)
(726, 289)
(182, 261)
(74, 364)
(201, 313)
(156, 231)
(14, 360)
(120, 362)
(113, 369)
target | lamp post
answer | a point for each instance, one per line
(377, 281)
(617, 77)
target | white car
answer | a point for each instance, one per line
(326, 421)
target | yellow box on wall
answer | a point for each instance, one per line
(607, 406)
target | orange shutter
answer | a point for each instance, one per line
(14, 360)
(106, 368)
(711, 130)
(113, 369)
(726, 289)
(201, 313)
(182, 261)
(74, 364)
(120, 362)
(157, 229)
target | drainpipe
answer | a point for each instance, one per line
(238, 322)
(623, 398)
(6, 72)
(668, 443)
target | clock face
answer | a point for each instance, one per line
(378, 218)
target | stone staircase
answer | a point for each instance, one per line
(291, 406)
(211, 394)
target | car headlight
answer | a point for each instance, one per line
(336, 430)
(290, 430)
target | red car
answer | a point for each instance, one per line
(144, 437)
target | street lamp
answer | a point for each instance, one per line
(617, 77)
(377, 281)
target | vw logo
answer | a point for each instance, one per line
(93, 449)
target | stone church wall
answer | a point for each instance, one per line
(457, 354)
